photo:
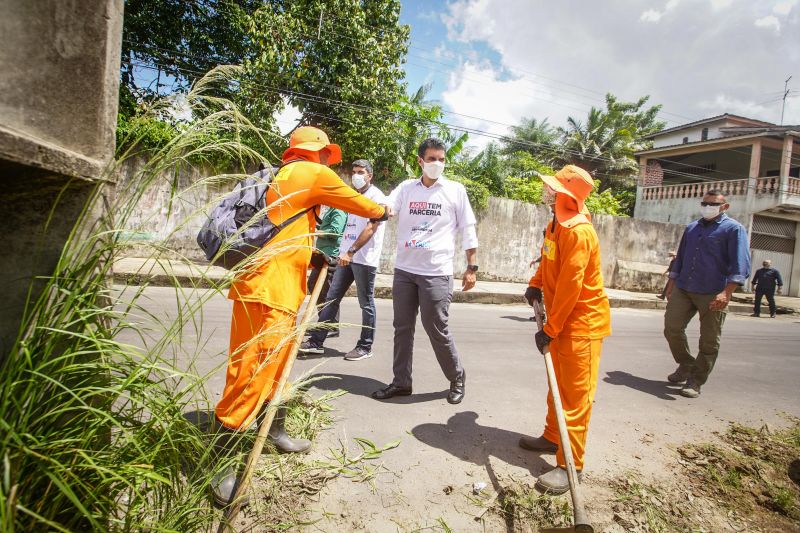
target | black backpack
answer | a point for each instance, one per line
(239, 226)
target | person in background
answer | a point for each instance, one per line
(713, 260)
(765, 281)
(359, 254)
(328, 239)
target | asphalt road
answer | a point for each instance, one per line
(637, 422)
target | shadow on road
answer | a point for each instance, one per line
(517, 318)
(660, 389)
(329, 353)
(364, 386)
(463, 438)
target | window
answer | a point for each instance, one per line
(704, 134)
(685, 140)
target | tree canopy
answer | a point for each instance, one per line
(339, 63)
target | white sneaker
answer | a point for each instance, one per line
(358, 353)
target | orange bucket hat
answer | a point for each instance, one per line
(311, 139)
(575, 185)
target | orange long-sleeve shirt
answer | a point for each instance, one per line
(280, 280)
(571, 279)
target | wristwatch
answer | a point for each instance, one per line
(353, 250)
(473, 268)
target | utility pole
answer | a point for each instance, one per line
(785, 94)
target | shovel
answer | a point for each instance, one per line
(580, 519)
(243, 482)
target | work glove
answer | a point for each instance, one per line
(542, 340)
(318, 259)
(533, 294)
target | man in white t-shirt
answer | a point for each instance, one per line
(359, 254)
(430, 212)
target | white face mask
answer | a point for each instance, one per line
(433, 170)
(359, 181)
(709, 212)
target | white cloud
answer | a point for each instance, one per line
(287, 119)
(654, 15)
(651, 15)
(736, 106)
(784, 7)
(770, 21)
(718, 5)
(682, 62)
(469, 20)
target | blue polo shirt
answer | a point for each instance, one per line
(712, 254)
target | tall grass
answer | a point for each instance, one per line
(92, 428)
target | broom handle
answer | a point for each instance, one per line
(243, 483)
(566, 448)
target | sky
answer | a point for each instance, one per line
(492, 62)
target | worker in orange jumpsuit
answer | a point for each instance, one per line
(578, 318)
(269, 290)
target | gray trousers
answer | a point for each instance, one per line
(431, 297)
(681, 307)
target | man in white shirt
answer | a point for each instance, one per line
(430, 212)
(359, 254)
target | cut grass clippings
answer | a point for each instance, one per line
(521, 507)
(752, 472)
(284, 484)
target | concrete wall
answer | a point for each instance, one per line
(510, 235)
(58, 107)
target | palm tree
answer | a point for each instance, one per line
(535, 137)
(605, 143)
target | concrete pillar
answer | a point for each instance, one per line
(755, 159)
(786, 163)
(58, 113)
(639, 185)
(794, 290)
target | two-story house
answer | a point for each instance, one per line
(754, 163)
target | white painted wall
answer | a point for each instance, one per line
(694, 133)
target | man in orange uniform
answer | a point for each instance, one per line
(267, 293)
(578, 318)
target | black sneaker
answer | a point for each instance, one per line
(311, 347)
(679, 376)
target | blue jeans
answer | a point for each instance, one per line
(364, 277)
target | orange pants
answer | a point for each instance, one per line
(576, 362)
(261, 339)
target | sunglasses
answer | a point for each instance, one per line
(706, 204)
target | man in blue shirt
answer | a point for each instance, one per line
(713, 260)
(764, 281)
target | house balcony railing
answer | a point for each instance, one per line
(765, 185)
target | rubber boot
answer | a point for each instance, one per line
(282, 441)
(224, 482)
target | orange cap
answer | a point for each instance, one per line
(311, 139)
(576, 184)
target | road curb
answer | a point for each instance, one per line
(493, 298)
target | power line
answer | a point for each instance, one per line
(389, 114)
(529, 144)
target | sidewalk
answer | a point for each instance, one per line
(134, 271)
